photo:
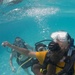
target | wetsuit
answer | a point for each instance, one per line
(28, 62)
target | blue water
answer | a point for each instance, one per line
(33, 20)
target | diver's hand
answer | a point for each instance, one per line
(6, 43)
(13, 70)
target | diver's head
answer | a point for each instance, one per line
(19, 42)
(18, 39)
(64, 41)
(62, 38)
(40, 47)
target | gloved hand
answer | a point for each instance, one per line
(5, 43)
(13, 69)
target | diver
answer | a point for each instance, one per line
(69, 55)
(38, 47)
(21, 59)
(61, 41)
(69, 67)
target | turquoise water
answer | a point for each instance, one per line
(33, 20)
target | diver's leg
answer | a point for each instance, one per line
(51, 70)
(36, 69)
(27, 71)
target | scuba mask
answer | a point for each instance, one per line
(53, 46)
(40, 47)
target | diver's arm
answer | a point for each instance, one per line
(11, 62)
(29, 47)
(20, 50)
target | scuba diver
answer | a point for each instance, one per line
(21, 59)
(69, 55)
(61, 45)
(69, 67)
(39, 46)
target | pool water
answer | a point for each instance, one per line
(33, 20)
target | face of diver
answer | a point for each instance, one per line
(63, 45)
(41, 48)
(18, 39)
(19, 42)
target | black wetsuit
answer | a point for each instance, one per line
(69, 65)
(29, 62)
